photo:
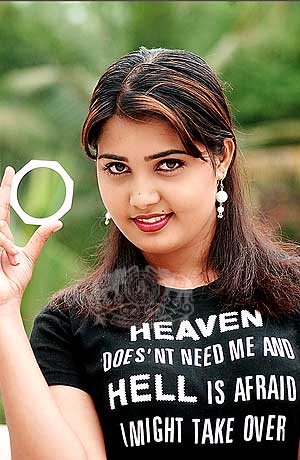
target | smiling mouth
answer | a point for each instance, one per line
(155, 225)
(152, 220)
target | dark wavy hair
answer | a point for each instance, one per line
(256, 268)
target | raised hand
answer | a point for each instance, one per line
(17, 263)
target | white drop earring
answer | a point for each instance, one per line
(107, 218)
(221, 197)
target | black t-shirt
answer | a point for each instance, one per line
(201, 382)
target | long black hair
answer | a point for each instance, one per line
(256, 268)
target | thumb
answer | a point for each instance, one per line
(36, 243)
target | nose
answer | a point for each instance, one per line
(143, 199)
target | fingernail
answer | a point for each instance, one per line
(17, 258)
(58, 227)
(10, 167)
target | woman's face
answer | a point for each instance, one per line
(177, 183)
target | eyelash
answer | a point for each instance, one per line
(108, 171)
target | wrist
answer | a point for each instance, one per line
(11, 309)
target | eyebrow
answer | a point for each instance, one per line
(147, 158)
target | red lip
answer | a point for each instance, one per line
(149, 216)
(147, 227)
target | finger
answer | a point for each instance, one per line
(5, 190)
(12, 259)
(36, 243)
(7, 246)
(5, 231)
(4, 228)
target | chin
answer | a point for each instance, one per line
(159, 248)
(154, 242)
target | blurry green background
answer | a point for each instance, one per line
(51, 56)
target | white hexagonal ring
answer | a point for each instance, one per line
(67, 204)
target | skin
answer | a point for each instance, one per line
(179, 249)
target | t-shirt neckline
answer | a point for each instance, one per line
(198, 290)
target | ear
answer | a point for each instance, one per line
(223, 164)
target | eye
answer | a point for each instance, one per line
(111, 165)
(120, 171)
(172, 161)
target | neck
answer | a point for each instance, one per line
(183, 268)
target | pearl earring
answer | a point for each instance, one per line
(221, 197)
(107, 218)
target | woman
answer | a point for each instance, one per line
(184, 337)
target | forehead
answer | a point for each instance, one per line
(120, 131)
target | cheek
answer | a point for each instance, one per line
(117, 203)
(197, 194)
(110, 196)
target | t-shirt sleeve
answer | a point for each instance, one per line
(53, 345)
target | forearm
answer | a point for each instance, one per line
(36, 427)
